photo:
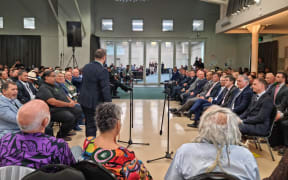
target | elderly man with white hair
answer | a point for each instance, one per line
(31, 147)
(217, 148)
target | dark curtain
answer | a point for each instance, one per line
(94, 45)
(25, 48)
(268, 51)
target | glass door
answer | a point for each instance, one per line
(182, 54)
(137, 61)
(167, 49)
(109, 46)
(152, 58)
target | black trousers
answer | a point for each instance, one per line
(279, 135)
(117, 84)
(68, 118)
(90, 122)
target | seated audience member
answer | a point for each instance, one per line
(116, 83)
(3, 78)
(76, 79)
(62, 108)
(14, 75)
(31, 147)
(270, 79)
(242, 99)
(26, 90)
(281, 171)
(224, 99)
(111, 155)
(32, 78)
(256, 118)
(280, 91)
(251, 79)
(72, 90)
(190, 93)
(9, 105)
(60, 82)
(210, 93)
(216, 149)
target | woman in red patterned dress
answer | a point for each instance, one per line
(105, 150)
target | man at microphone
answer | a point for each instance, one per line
(95, 89)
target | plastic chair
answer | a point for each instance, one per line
(14, 172)
(214, 176)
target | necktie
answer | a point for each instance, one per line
(225, 97)
(234, 99)
(15, 104)
(209, 92)
(276, 92)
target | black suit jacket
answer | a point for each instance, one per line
(256, 119)
(281, 95)
(23, 95)
(242, 101)
(95, 86)
(214, 92)
(229, 97)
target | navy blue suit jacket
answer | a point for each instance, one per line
(242, 101)
(256, 118)
(214, 92)
(199, 86)
(95, 86)
(175, 76)
(23, 95)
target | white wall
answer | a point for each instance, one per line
(13, 12)
(67, 12)
(219, 49)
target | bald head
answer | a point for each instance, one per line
(33, 116)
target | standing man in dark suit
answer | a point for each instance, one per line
(26, 90)
(95, 89)
(280, 91)
(256, 119)
(243, 98)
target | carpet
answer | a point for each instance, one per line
(143, 93)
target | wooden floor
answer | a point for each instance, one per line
(147, 122)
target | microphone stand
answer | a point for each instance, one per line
(168, 154)
(130, 142)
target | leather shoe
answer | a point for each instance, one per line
(194, 125)
(172, 110)
(77, 128)
(71, 133)
(281, 152)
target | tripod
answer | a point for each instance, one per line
(168, 154)
(73, 59)
(130, 142)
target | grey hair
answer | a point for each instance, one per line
(244, 77)
(219, 126)
(107, 115)
(37, 121)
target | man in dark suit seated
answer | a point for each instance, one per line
(256, 119)
(115, 82)
(212, 92)
(224, 99)
(243, 98)
(95, 89)
(270, 79)
(280, 91)
(62, 108)
(26, 90)
(199, 87)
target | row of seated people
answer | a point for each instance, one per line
(217, 148)
(252, 103)
(56, 90)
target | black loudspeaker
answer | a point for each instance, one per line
(94, 45)
(74, 36)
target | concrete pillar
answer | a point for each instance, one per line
(255, 29)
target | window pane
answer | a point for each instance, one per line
(198, 25)
(137, 25)
(29, 23)
(107, 25)
(109, 46)
(1, 23)
(182, 50)
(167, 25)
